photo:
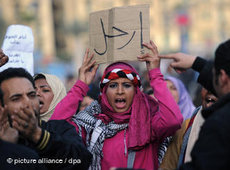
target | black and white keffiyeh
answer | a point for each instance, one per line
(163, 148)
(96, 130)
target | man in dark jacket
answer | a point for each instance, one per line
(56, 141)
(14, 156)
(212, 149)
(18, 157)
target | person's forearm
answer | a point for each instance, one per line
(68, 106)
(169, 118)
(198, 64)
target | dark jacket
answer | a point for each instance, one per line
(61, 144)
(205, 78)
(212, 149)
(18, 157)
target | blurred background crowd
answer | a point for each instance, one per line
(60, 29)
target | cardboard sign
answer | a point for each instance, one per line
(117, 34)
(18, 44)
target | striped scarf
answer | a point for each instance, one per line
(96, 130)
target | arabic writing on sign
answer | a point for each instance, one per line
(122, 33)
(15, 59)
(118, 34)
(18, 44)
(15, 39)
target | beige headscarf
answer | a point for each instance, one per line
(59, 92)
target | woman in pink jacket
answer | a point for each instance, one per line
(124, 127)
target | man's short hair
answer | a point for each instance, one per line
(14, 73)
(222, 57)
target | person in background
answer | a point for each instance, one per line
(179, 150)
(212, 149)
(10, 151)
(195, 123)
(181, 96)
(124, 117)
(179, 93)
(69, 81)
(50, 91)
(54, 140)
(183, 99)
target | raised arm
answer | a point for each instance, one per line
(181, 62)
(69, 104)
(169, 118)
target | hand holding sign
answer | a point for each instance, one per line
(18, 45)
(118, 34)
(152, 59)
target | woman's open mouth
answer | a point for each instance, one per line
(120, 103)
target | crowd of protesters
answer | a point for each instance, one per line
(45, 126)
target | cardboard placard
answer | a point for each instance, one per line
(18, 45)
(117, 34)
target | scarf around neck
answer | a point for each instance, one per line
(102, 116)
(96, 131)
(138, 116)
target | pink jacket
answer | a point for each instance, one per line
(164, 123)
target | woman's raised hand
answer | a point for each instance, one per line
(88, 69)
(152, 60)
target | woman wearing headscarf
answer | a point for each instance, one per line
(181, 96)
(187, 108)
(50, 91)
(125, 126)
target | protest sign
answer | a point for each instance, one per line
(117, 34)
(18, 44)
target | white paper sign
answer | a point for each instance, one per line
(18, 44)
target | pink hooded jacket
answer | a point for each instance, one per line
(164, 123)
